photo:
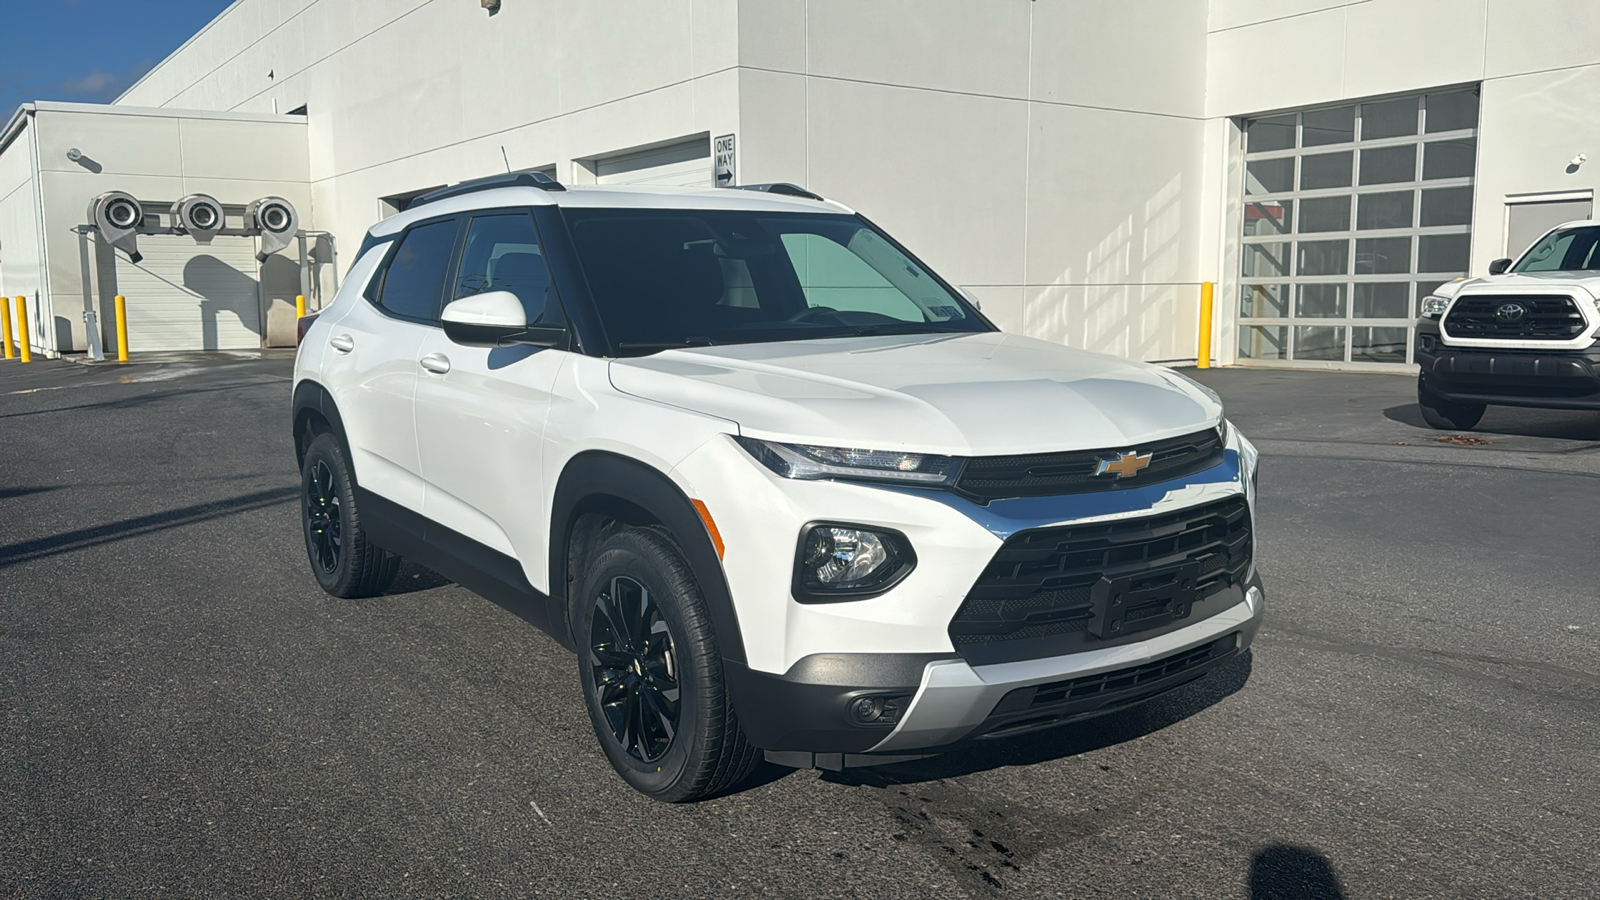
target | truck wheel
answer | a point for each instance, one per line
(1446, 416)
(345, 562)
(652, 674)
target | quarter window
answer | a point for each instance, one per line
(414, 282)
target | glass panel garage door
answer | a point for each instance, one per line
(1351, 215)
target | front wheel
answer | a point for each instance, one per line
(1444, 415)
(652, 674)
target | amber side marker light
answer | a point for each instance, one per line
(711, 526)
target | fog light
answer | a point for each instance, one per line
(845, 561)
(877, 710)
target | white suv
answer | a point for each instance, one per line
(784, 490)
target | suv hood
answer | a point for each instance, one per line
(964, 395)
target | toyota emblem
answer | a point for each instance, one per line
(1510, 312)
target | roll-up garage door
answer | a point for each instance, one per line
(189, 296)
(687, 164)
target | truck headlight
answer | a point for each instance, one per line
(849, 562)
(1434, 307)
(813, 462)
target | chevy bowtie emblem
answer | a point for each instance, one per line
(1128, 464)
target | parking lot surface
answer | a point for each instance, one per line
(184, 713)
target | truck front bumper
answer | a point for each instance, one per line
(1549, 379)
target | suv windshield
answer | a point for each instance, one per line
(674, 278)
(1565, 250)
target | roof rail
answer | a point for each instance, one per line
(780, 187)
(491, 182)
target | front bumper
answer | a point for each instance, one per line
(801, 719)
(1550, 379)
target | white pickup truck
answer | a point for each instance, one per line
(1523, 336)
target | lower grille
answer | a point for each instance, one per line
(1052, 591)
(1109, 683)
(1058, 702)
(1514, 317)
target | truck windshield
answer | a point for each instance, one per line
(1563, 250)
(665, 278)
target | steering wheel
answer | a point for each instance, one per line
(811, 314)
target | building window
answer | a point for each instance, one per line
(1351, 214)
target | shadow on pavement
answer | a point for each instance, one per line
(1065, 740)
(1567, 424)
(1286, 872)
(9, 493)
(83, 538)
(412, 578)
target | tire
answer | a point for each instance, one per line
(344, 560)
(1446, 416)
(652, 673)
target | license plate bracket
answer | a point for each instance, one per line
(1130, 603)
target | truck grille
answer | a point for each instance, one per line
(1045, 591)
(1543, 318)
(988, 478)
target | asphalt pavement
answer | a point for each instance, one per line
(184, 713)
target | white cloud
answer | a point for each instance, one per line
(96, 85)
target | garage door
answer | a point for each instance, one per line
(686, 165)
(189, 296)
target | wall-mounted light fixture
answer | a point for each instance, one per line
(493, 6)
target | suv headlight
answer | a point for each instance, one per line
(1434, 307)
(837, 562)
(812, 462)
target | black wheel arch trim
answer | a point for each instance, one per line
(600, 475)
(313, 400)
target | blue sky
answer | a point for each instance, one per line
(88, 50)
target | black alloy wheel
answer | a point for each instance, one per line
(651, 671)
(634, 667)
(324, 517)
(345, 562)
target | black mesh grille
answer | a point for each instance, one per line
(1044, 586)
(1047, 474)
(1543, 318)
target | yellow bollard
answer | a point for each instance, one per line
(1204, 357)
(122, 328)
(5, 328)
(22, 330)
(299, 306)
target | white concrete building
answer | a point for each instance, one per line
(1081, 165)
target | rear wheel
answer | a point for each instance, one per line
(652, 674)
(345, 562)
(1444, 415)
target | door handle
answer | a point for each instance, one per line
(343, 343)
(436, 363)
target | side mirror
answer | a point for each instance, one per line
(1499, 266)
(495, 319)
(971, 297)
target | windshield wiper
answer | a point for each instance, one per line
(900, 328)
(667, 345)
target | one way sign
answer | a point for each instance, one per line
(722, 148)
